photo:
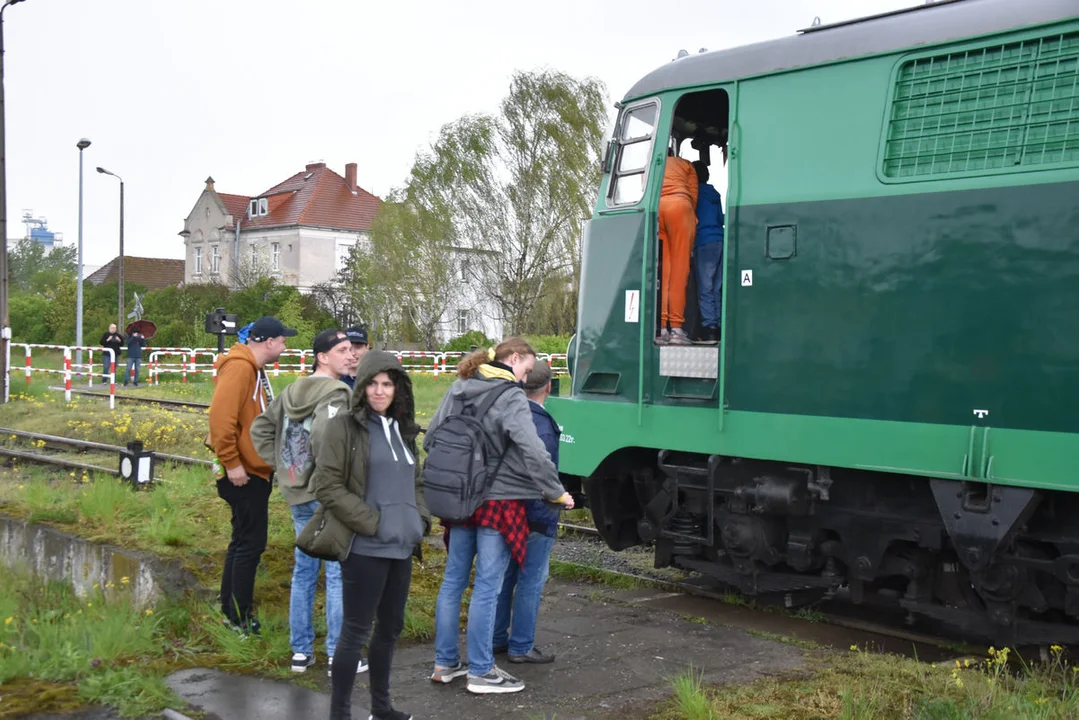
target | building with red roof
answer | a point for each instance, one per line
(299, 232)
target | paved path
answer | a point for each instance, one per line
(617, 651)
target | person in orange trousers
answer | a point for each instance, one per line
(677, 229)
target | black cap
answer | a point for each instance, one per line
(327, 340)
(357, 335)
(267, 327)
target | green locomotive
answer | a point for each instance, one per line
(890, 408)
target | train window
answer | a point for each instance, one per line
(634, 152)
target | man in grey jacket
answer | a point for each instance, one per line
(282, 436)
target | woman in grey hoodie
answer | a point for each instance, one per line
(367, 476)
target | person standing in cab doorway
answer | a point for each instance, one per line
(677, 227)
(709, 250)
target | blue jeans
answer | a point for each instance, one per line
(492, 556)
(301, 606)
(522, 589)
(710, 282)
(132, 363)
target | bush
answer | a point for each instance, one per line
(464, 343)
(549, 344)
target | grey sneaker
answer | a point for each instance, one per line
(664, 337)
(449, 674)
(679, 337)
(495, 682)
(532, 657)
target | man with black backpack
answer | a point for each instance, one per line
(282, 437)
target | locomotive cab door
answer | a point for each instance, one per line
(690, 374)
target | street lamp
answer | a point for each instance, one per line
(103, 171)
(5, 324)
(81, 145)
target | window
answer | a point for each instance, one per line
(215, 260)
(462, 322)
(464, 271)
(343, 252)
(1001, 108)
(633, 152)
(275, 256)
(257, 207)
(254, 255)
(198, 261)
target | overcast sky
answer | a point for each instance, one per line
(249, 91)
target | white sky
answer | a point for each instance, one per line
(249, 91)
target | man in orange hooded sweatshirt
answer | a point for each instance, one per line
(677, 229)
(241, 392)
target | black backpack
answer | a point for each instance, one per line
(455, 477)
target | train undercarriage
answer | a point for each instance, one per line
(993, 563)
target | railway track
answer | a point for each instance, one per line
(80, 446)
(179, 404)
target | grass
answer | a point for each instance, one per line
(863, 685)
(183, 518)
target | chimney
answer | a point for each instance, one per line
(210, 183)
(350, 177)
(311, 167)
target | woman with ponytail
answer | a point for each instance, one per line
(498, 530)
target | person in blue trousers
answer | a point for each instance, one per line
(708, 252)
(522, 585)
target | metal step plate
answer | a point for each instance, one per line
(689, 361)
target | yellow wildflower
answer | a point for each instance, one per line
(149, 611)
(1057, 649)
(125, 580)
(9, 621)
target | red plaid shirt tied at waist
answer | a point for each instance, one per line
(508, 517)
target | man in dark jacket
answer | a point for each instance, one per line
(522, 586)
(113, 341)
(136, 341)
(708, 256)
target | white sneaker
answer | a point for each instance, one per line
(361, 668)
(301, 661)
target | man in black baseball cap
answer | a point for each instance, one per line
(357, 335)
(266, 328)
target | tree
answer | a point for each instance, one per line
(518, 186)
(415, 261)
(34, 268)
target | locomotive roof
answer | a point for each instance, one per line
(922, 25)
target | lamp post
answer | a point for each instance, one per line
(81, 145)
(120, 304)
(5, 324)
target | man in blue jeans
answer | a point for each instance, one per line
(708, 256)
(136, 341)
(282, 437)
(522, 586)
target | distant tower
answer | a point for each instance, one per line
(37, 229)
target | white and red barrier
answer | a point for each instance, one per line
(290, 362)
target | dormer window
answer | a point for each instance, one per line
(258, 207)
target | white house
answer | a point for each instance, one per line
(299, 232)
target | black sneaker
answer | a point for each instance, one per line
(301, 661)
(532, 657)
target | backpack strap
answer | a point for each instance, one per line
(488, 401)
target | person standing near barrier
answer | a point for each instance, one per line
(283, 437)
(113, 341)
(135, 343)
(497, 532)
(357, 336)
(241, 392)
(522, 586)
(677, 228)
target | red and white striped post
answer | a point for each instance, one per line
(183, 366)
(28, 362)
(67, 375)
(276, 368)
(303, 359)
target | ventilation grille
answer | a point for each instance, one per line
(998, 108)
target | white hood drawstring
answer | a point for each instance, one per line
(386, 424)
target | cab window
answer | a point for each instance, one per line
(634, 151)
